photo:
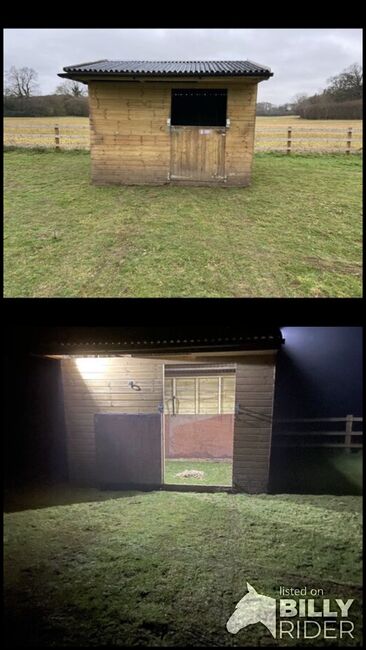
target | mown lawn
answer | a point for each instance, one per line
(215, 472)
(295, 232)
(166, 568)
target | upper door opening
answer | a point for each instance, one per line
(198, 107)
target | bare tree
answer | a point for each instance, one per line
(347, 85)
(21, 82)
(72, 88)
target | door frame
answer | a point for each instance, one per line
(195, 487)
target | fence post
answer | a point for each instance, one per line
(348, 436)
(57, 137)
(349, 138)
(289, 135)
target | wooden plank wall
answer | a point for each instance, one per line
(240, 135)
(255, 377)
(100, 385)
(130, 137)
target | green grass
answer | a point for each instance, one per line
(167, 568)
(295, 232)
(216, 472)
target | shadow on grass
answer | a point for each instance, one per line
(34, 497)
(309, 471)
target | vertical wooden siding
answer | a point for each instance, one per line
(130, 137)
(101, 386)
(253, 423)
(240, 135)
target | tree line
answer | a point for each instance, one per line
(21, 98)
(341, 99)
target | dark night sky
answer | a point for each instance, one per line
(319, 372)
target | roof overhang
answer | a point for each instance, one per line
(173, 78)
(189, 343)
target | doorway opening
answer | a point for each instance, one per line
(198, 424)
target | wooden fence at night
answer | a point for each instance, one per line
(347, 438)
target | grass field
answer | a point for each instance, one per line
(271, 133)
(304, 471)
(84, 568)
(216, 472)
(295, 232)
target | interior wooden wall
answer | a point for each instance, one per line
(130, 137)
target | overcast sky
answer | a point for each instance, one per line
(302, 59)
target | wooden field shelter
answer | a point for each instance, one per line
(184, 122)
(116, 406)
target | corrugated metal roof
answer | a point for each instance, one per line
(101, 340)
(166, 68)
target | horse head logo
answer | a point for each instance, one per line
(253, 608)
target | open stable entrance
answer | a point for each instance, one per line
(198, 132)
(199, 406)
(126, 414)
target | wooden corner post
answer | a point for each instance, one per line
(289, 139)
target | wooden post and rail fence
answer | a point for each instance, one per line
(290, 140)
(63, 136)
(318, 438)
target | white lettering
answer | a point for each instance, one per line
(326, 610)
(311, 610)
(342, 631)
(283, 631)
(329, 629)
(344, 607)
(288, 607)
(308, 636)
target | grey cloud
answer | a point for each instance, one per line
(302, 59)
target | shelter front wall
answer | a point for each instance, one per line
(100, 385)
(255, 378)
(130, 135)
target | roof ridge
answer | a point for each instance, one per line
(76, 65)
(260, 65)
(179, 67)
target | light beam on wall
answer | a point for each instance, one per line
(86, 365)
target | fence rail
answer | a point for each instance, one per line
(290, 139)
(51, 136)
(349, 140)
(347, 434)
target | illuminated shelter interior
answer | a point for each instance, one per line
(111, 376)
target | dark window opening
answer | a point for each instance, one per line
(198, 107)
